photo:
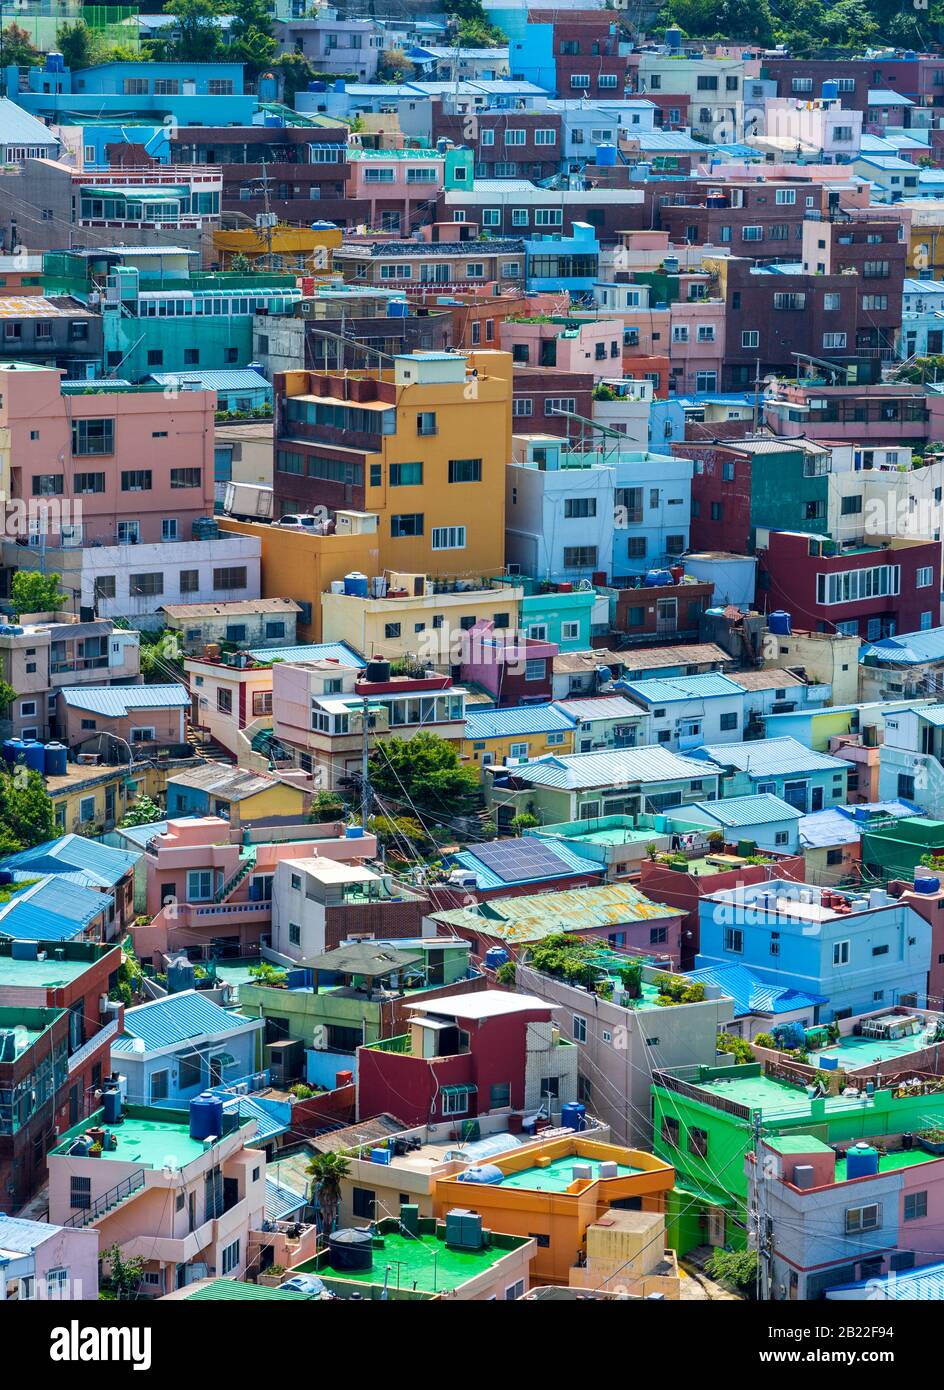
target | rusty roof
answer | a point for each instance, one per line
(530, 918)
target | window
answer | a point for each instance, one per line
(698, 1142)
(168, 528)
(579, 1028)
(750, 338)
(448, 538)
(465, 470)
(548, 217)
(140, 585)
(199, 885)
(491, 217)
(729, 721)
(230, 577)
(535, 669)
(93, 437)
(426, 422)
(514, 1291)
(841, 952)
(160, 1085)
(499, 1095)
(861, 1219)
(916, 1205)
(834, 340)
(406, 474)
(555, 405)
(391, 630)
(570, 632)
(580, 557)
(734, 939)
(185, 477)
(406, 524)
(230, 1255)
(924, 577)
(455, 1102)
(580, 507)
(786, 195)
(261, 703)
(754, 233)
(224, 700)
(47, 484)
(80, 1193)
(189, 581)
(658, 936)
(545, 137)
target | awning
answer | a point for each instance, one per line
(458, 1090)
(698, 1194)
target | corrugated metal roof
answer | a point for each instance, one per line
(18, 127)
(526, 719)
(770, 757)
(641, 658)
(740, 811)
(752, 994)
(176, 1019)
(599, 707)
(22, 1236)
(241, 379)
(236, 1291)
(282, 1202)
(665, 692)
(926, 1284)
(224, 779)
(118, 700)
(51, 910)
(76, 858)
(272, 1117)
(908, 649)
(536, 915)
(824, 829)
(312, 651)
(617, 767)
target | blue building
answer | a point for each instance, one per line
(209, 94)
(804, 779)
(554, 263)
(54, 910)
(859, 952)
(764, 819)
(172, 1049)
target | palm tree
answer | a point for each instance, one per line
(327, 1171)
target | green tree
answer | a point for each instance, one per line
(17, 47)
(327, 1171)
(296, 72)
(80, 46)
(251, 40)
(7, 696)
(326, 806)
(26, 814)
(198, 37)
(424, 772)
(124, 1275)
(736, 1269)
(524, 822)
(32, 592)
(143, 812)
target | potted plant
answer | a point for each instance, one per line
(95, 1151)
(272, 1277)
(931, 1139)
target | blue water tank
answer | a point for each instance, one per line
(657, 578)
(573, 1116)
(12, 748)
(495, 956)
(206, 1116)
(298, 979)
(926, 883)
(353, 832)
(398, 309)
(830, 91)
(779, 622)
(673, 38)
(34, 755)
(606, 156)
(181, 975)
(827, 1063)
(319, 85)
(861, 1162)
(274, 121)
(910, 55)
(111, 1105)
(485, 1174)
(381, 1155)
(57, 760)
(356, 584)
(55, 62)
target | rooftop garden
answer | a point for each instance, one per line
(590, 966)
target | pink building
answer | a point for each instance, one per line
(123, 466)
(97, 717)
(157, 1188)
(568, 345)
(400, 185)
(209, 883)
(696, 344)
(40, 1261)
(515, 669)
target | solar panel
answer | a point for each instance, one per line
(514, 860)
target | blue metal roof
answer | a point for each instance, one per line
(51, 910)
(76, 859)
(525, 719)
(569, 863)
(909, 648)
(313, 651)
(753, 995)
(664, 692)
(241, 379)
(770, 757)
(272, 1117)
(926, 1283)
(119, 700)
(22, 1236)
(176, 1019)
(618, 767)
(824, 829)
(737, 812)
(281, 1202)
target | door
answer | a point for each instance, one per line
(667, 615)
(715, 1226)
(817, 799)
(796, 795)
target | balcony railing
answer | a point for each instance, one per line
(107, 1200)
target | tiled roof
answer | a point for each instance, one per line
(176, 1019)
(118, 700)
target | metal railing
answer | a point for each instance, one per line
(107, 1200)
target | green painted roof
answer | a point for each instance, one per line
(227, 1290)
(797, 1144)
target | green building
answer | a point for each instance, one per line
(894, 846)
(705, 1120)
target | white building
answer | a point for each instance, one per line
(558, 510)
(687, 711)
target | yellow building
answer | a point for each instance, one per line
(299, 565)
(418, 615)
(496, 736)
(309, 251)
(90, 799)
(423, 445)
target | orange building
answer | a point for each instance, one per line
(555, 1192)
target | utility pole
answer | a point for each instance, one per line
(761, 1237)
(268, 215)
(756, 395)
(365, 773)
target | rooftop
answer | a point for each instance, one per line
(119, 700)
(533, 916)
(147, 1137)
(558, 1175)
(176, 1019)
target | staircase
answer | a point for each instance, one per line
(205, 746)
(247, 864)
(109, 1200)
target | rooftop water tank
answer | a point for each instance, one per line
(657, 578)
(573, 1116)
(779, 623)
(351, 1249)
(206, 1116)
(34, 755)
(57, 759)
(377, 671)
(356, 584)
(673, 38)
(495, 957)
(926, 883)
(830, 91)
(606, 156)
(670, 265)
(111, 1105)
(861, 1161)
(398, 309)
